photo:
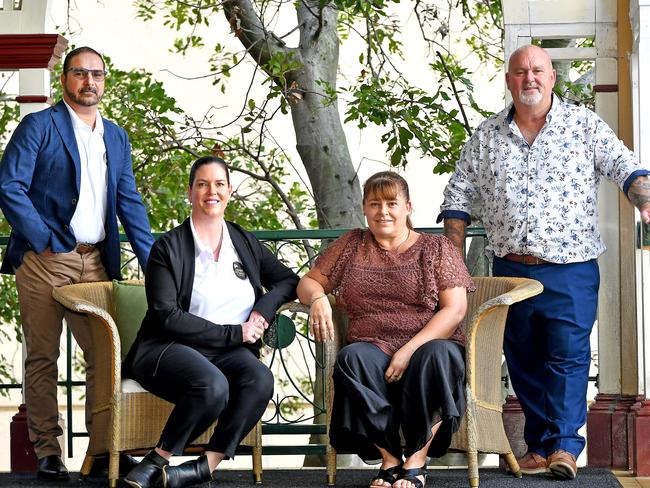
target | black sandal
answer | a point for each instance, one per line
(390, 475)
(411, 474)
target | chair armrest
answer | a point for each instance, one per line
(484, 335)
(524, 288)
(105, 340)
(329, 348)
(337, 319)
(296, 307)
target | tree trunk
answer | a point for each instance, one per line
(320, 139)
(321, 142)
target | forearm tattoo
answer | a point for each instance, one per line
(455, 231)
(639, 192)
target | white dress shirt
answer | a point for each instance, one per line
(218, 294)
(89, 217)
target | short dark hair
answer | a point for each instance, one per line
(208, 160)
(77, 51)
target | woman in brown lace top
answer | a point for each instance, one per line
(403, 368)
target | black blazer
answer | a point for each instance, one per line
(169, 279)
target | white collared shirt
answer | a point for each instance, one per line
(218, 294)
(89, 217)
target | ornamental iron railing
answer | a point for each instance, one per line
(296, 360)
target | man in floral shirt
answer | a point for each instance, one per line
(531, 173)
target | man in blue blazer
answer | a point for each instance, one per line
(65, 178)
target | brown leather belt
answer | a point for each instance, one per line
(524, 259)
(85, 248)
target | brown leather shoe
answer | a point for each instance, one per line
(532, 463)
(563, 465)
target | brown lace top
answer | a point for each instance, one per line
(389, 296)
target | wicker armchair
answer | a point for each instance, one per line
(482, 428)
(124, 420)
(330, 350)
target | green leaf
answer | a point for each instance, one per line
(396, 157)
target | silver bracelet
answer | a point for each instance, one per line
(317, 298)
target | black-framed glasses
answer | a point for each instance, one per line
(82, 73)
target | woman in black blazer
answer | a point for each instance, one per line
(198, 346)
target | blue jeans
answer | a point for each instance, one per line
(548, 353)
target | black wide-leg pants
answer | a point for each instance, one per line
(233, 387)
(370, 412)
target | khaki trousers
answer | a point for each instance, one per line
(41, 318)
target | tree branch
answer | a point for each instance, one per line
(468, 128)
(248, 27)
(200, 5)
(291, 210)
(209, 75)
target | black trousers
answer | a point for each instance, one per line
(368, 411)
(234, 387)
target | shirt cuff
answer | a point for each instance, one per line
(454, 214)
(632, 177)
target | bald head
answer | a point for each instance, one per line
(530, 78)
(529, 50)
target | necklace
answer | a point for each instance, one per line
(408, 234)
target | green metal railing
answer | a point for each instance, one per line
(290, 412)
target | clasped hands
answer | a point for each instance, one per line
(254, 327)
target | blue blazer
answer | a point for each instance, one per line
(39, 190)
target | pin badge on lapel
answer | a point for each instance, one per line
(239, 270)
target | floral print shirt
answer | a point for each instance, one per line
(540, 199)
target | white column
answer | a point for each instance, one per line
(640, 66)
(609, 298)
(34, 82)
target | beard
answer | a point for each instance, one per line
(86, 97)
(530, 98)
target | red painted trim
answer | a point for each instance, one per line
(33, 99)
(621, 452)
(23, 457)
(605, 88)
(19, 51)
(618, 427)
(599, 430)
(640, 436)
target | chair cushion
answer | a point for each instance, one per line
(130, 307)
(129, 385)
